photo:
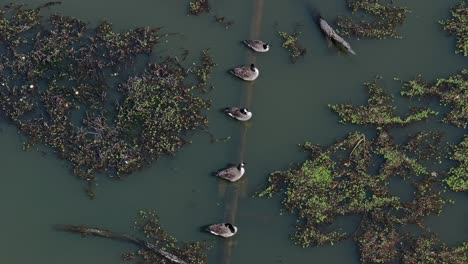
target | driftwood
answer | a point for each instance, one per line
(105, 233)
(331, 34)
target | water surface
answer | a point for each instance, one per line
(289, 104)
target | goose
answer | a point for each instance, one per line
(232, 173)
(331, 34)
(246, 73)
(223, 229)
(257, 45)
(241, 114)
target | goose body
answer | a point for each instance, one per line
(246, 73)
(241, 114)
(257, 45)
(331, 34)
(223, 229)
(232, 173)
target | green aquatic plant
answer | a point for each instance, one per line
(203, 71)
(431, 250)
(291, 43)
(342, 180)
(197, 7)
(452, 91)
(68, 87)
(458, 26)
(379, 111)
(148, 223)
(337, 180)
(158, 247)
(377, 19)
(458, 179)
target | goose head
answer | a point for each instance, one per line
(266, 46)
(241, 165)
(252, 67)
(244, 111)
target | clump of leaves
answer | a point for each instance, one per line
(458, 26)
(379, 110)
(378, 240)
(148, 223)
(197, 7)
(452, 91)
(122, 122)
(458, 179)
(337, 180)
(203, 71)
(432, 250)
(378, 19)
(291, 43)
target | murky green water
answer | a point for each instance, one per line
(289, 105)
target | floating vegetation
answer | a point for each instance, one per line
(458, 26)
(458, 180)
(379, 111)
(68, 87)
(432, 250)
(291, 43)
(158, 246)
(197, 7)
(204, 70)
(452, 92)
(224, 21)
(337, 180)
(377, 19)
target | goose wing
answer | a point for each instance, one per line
(219, 229)
(242, 72)
(229, 174)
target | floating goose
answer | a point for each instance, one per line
(246, 73)
(223, 229)
(257, 45)
(241, 114)
(331, 34)
(232, 173)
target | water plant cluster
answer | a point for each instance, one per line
(379, 110)
(452, 92)
(458, 179)
(352, 177)
(292, 44)
(376, 19)
(148, 224)
(69, 87)
(197, 7)
(157, 247)
(458, 26)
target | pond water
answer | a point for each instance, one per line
(289, 102)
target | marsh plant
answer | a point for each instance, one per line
(70, 87)
(352, 177)
(458, 27)
(379, 110)
(197, 7)
(452, 92)
(376, 19)
(292, 44)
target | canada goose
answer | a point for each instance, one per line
(223, 229)
(241, 114)
(331, 34)
(246, 73)
(232, 173)
(257, 45)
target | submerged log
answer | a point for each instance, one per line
(106, 233)
(331, 34)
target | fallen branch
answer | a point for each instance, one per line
(106, 233)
